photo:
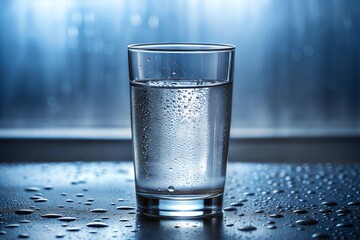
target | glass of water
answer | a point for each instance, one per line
(181, 97)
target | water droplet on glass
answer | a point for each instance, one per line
(173, 73)
(247, 228)
(276, 215)
(271, 227)
(97, 224)
(79, 195)
(171, 189)
(230, 225)
(354, 203)
(2, 232)
(60, 235)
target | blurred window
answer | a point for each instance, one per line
(63, 63)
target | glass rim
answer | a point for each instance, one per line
(181, 47)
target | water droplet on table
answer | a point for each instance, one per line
(48, 187)
(51, 215)
(271, 227)
(249, 194)
(329, 203)
(229, 209)
(32, 189)
(344, 225)
(24, 221)
(97, 224)
(320, 236)
(124, 220)
(67, 219)
(325, 211)
(35, 197)
(308, 221)
(13, 225)
(73, 229)
(125, 208)
(247, 228)
(236, 204)
(300, 211)
(23, 235)
(24, 211)
(98, 210)
(40, 200)
(343, 210)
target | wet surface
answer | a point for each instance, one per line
(97, 200)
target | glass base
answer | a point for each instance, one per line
(179, 207)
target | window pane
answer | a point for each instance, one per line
(63, 63)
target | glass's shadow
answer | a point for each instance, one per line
(154, 228)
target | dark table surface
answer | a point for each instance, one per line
(36, 199)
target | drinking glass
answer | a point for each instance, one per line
(181, 97)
